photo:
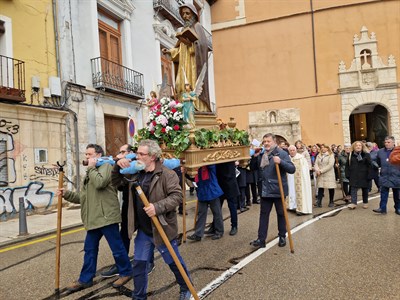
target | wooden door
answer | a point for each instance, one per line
(116, 134)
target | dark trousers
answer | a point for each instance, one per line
(376, 180)
(346, 188)
(124, 225)
(354, 191)
(91, 248)
(265, 210)
(385, 196)
(321, 194)
(232, 205)
(144, 247)
(254, 195)
(242, 197)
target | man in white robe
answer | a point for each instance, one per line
(300, 196)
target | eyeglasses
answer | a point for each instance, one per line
(141, 154)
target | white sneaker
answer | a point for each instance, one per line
(352, 206)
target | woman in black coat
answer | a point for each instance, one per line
(357, 169)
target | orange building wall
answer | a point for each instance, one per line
(269, 64)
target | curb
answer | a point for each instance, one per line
(37, 235)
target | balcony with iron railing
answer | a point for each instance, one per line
(12, 79)
(116, 78)
(169, 9)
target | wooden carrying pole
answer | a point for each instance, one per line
(59, 217)
(284, 207)
(166, 242)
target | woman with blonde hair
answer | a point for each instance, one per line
(324, 170)
(357, 169)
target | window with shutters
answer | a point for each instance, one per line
(110, 46)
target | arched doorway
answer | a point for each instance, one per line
(369, 122)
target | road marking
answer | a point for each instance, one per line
(208, 289)
(39, 240)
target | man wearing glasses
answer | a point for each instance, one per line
(162, 189)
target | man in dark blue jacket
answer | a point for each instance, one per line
(389, 177)
(270, 194)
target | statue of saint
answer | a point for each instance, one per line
(189, 55)
(188, 99)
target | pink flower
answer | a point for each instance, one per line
(176, 127)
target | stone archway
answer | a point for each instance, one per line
(387, 99)
(369, 122)
(368, 81)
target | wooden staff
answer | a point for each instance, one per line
(195, 214)
(284, 207)
(59, 216)
(184, 207)
(166, 241)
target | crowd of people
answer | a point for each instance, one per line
(294, 170)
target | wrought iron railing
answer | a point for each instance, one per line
(169, 9)
(12, 79)
(116, 78)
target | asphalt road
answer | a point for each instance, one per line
(349, 254)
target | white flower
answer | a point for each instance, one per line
(168, 128)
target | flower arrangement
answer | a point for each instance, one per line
(165, 122)
(166, 125)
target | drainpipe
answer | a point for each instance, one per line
(313, 45)
(77, 165)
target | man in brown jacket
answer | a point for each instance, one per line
(162, 189)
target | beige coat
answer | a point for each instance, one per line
(325, 163)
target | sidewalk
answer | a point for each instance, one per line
(39, 224)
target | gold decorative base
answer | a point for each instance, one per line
(193, 159)
(208, 121)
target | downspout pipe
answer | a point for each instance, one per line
(313, 46)
(74, 115)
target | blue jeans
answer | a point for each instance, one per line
(91, 248)
(143, 251)
(385, 196)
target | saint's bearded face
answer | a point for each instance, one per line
(188, 17)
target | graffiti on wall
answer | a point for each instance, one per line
(34, 197)
(45, 173)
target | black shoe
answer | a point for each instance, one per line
(216, 236)
(243, 209)
(256, 201)
(113, 271)
(282, 241)
(397, 211)
(257, 243)
(194, 237)
(379, 211)
(331, 204)
(150, 268)
(233, 231)
(210, 231)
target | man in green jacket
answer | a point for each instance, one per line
(100, 213)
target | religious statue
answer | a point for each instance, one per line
(188, 99)
(153, 102)
(190, 54)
